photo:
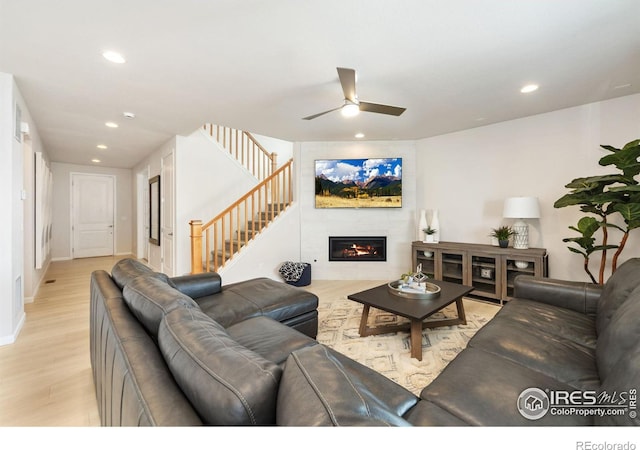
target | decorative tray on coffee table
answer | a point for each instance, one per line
(419, 291)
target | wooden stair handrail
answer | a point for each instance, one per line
(244, 147)
(223, 235)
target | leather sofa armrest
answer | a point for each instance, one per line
(321, 387)
(575, 295)
(198, 285)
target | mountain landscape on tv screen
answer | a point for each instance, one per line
(366, 183)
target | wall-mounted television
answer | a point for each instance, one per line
(358, 183)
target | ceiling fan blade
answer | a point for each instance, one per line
(320, 114)
(348, 82)
(382, 109)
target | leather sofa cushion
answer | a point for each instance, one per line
(318, 389)
(226, 383)
(482, 389)
(257, 297)
(537, 350)
(198, 285)
(559, 322)
(427, 414)
(128, 269)
(578, 296)
(268, 338)
(149, 298)
(616, 290)
(621, 337)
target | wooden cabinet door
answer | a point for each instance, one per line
(485, 274)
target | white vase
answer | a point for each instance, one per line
(422, 224)
(435, 224)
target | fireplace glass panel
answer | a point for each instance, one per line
(357, 248)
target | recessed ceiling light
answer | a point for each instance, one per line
(114, 57)
(359, 135)
(102, 146)
(95, 160)
(129, 115)
(111, 124)
(529, 88)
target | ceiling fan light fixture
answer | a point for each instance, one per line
(350, 110)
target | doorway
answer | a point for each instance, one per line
(92, 215)
(142, 247)
(168, 214)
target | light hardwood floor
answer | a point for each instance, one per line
(45, 376)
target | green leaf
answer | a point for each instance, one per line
(630, 212)
(628, 189)
(610, 148)
(633, 143)
(575, 250)
(596, 183)
(626, 160)
(598, 248)
(588, 226)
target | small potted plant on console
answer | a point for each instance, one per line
(429, 232)
(502, 234)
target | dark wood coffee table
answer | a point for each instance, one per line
(416, 310)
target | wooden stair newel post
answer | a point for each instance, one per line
(196, 246)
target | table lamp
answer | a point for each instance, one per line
(521, 208)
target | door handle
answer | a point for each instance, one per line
(170, 234)
(110, 226)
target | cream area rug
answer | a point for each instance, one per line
(389, 354)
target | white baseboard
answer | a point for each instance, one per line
(10, 339)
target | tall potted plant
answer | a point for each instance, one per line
(603, 196)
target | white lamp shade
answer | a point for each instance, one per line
(521, 208)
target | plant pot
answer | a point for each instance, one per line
(503, 243)
(429, 238)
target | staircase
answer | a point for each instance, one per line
(245, 149)
(216, 242)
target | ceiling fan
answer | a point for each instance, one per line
(352, 105)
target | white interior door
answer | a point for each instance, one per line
(92, 215)
(168, 214)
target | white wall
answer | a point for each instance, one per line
(9, 326)
(467, 175)
(31, 145)
(152, 164)
(284, 149)
(124, 214)
(18, 276)
(398, 224)
(208, 180)
(263, 256)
